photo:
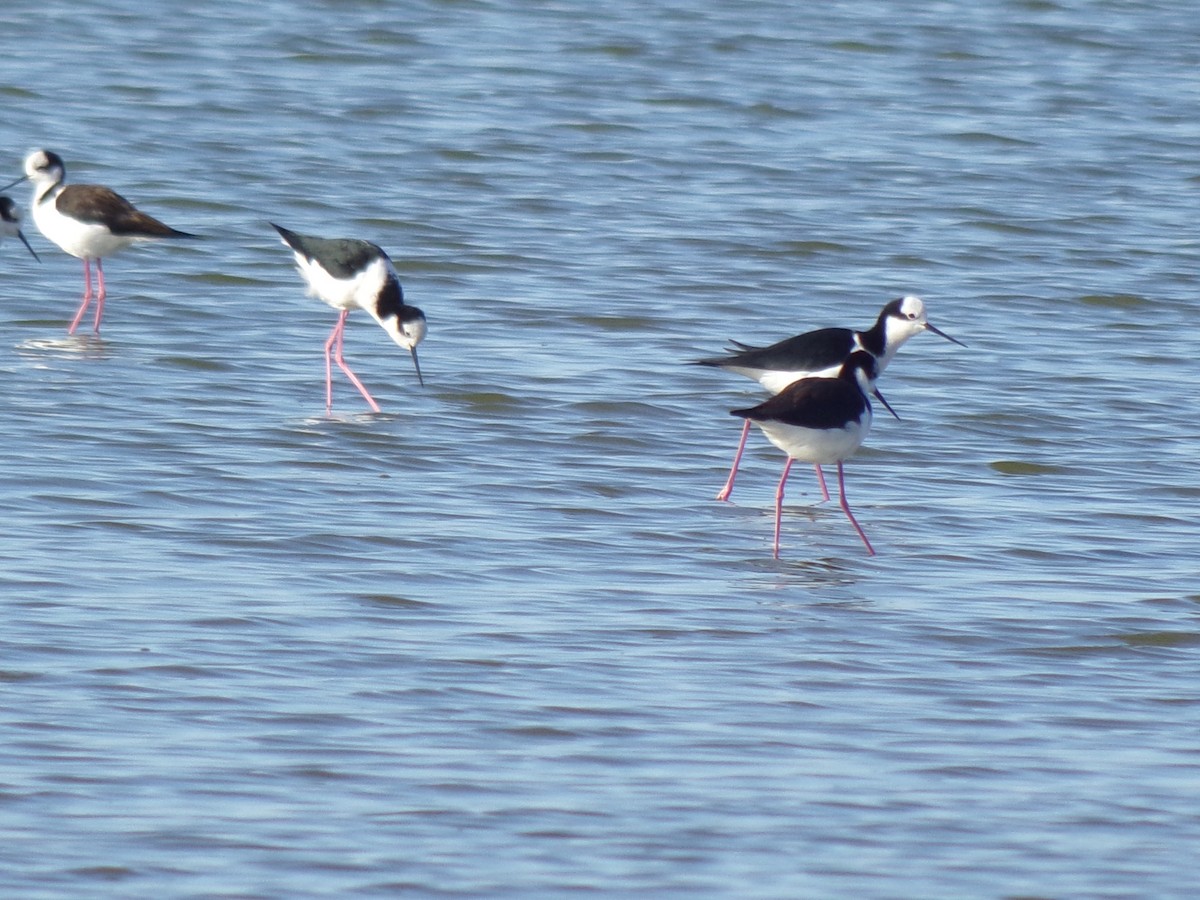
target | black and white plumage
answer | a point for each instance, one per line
(348, 273)
(822, 353)
(10, 224)
(88, 221)
(820, 420)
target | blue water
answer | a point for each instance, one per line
(500, 640)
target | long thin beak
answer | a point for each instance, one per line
(880, 398)
(417, 364)
(14, 183)
(21, 235)
(941, 333)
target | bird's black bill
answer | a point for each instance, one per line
(879, 397)
(417, 366)
(14, 183)
(941, 333)
(28, 247)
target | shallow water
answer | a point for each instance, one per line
(500, 640)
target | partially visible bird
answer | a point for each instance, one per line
(348, 273)
(821, 353)
(820, 420)
(10, 224)
(88, 221)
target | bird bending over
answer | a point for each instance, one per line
(822, 353)
(10, 224)
(351, 274)
(820, 420)
(88, 221)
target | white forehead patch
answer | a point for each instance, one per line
(912, 307)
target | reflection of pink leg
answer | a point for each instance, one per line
(821, 480)
(87, 296)
(737, 458)
(99, 294)
(779, 503)
(335, 344)
(850, 515)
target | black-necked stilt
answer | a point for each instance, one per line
(820, 420)
(347, 273)
(821, 353)
(10, 224)
(86, 220)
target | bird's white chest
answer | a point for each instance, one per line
(85, 240)
(818, 445)
(358, 291)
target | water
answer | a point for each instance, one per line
(499, 640)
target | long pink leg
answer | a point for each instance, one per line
(821, 480)
(333, 336)
(335, 343)
(850, 515)
(100, 294)
(737, 458)
(787, 467)
(87, 296)
(724, 493)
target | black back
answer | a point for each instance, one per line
(818, 402)
(340, 257)
(98, 205)
(811, 351)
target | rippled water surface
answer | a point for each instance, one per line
(500, 640)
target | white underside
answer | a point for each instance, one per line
(80, 239)
(817, 445)
(775, 381)
(358, 292)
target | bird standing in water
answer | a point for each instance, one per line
(88, 221)
(822, 353)
(348, 273)
(820, 420)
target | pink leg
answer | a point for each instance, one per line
(334, 336)
(821, 481)
(335, 343)
(779, 503)
(99, 295)
(737, 458)
(724, 493)
(87, 296)
(850, 515)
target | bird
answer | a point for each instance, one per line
(348, 273)
(822, 353)
(820, 420)
(88, 221)
(10, 224)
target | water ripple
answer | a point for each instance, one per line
(499, 640)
